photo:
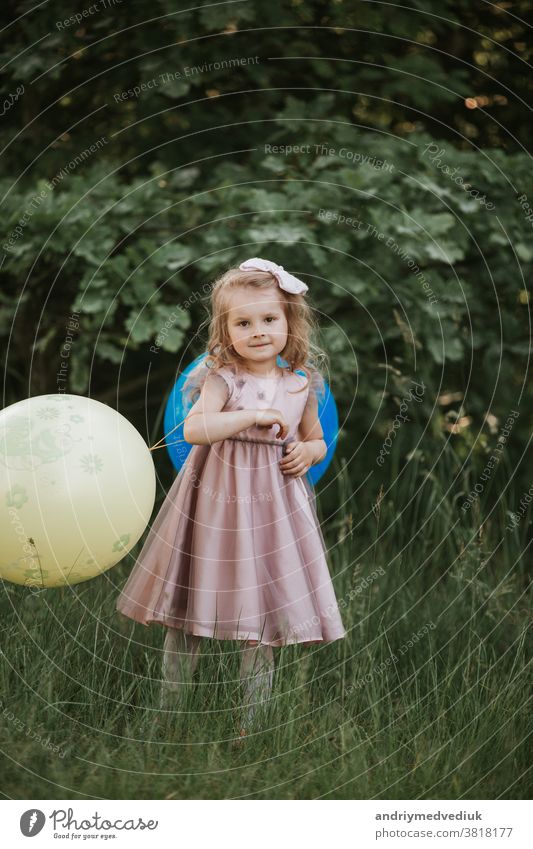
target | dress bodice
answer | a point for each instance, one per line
(248, 391)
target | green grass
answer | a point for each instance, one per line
(366, 717)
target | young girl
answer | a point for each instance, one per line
(236, 551)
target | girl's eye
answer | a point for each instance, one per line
(269, 318)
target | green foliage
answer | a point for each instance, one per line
(417, 277)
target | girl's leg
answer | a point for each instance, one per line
(180, 657)
(256, 674)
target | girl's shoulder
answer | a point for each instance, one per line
(201, 375)
(230, 377)
(313, 382)
(317, 383)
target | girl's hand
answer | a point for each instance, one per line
(298, 459)
(267, 418)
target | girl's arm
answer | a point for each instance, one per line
(206, 423)
(311, 449)
(311, 431)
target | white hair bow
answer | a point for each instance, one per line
(286, 281)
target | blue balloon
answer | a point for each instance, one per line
(176, 411)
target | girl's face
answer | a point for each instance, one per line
(257, 325)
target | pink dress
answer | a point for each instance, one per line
(236, 550)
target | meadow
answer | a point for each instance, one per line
(427, 698)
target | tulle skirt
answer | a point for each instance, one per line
(236, 552)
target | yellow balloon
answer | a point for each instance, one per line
(77, 489)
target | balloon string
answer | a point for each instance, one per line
(158, 445)
(165, 444)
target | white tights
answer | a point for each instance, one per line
(256, 674)
(180, 657)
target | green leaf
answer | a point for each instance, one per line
(449, 348)
(172, 256)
